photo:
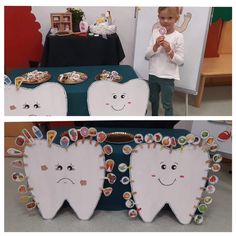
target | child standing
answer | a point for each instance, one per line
(165, 54)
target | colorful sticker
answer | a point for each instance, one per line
(73, 134)
(51, 135)
(37, 132)
(148, 138)
(213, 179)
(216, 167)
(125, 180)
(14, 152)
(202, 208)
(31, 205)
(101, 137)
(204, 134)
(207, 200)
(217, 158)
(28, 135)
(127, 149)
(210, 189)
(22, 189)
(138, 138)
(20, 141)
(107, 149)
(198, 219)
(129, 203)
(162, 30)
(84, 132)
(17, 164)
(122, 167)
(109, 165)
(157, 137)
(64, 142)
(166, 141)
(92, 132)
(111, 178)
(132, 213)
(17, 177)
(107, 191)
(127, 195)
(190, 138)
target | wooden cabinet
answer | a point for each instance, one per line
(62, 22)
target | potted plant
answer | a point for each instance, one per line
(77, 16)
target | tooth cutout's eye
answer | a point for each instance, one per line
(163, 166)
(59, 167)
(173, 167)
(26, 106)
(122, 96)
(36, 105)
(70, 168)
(115, 96)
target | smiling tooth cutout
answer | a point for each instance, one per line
(48, 99)
(163, 177)
(106, 98)
(57, 175)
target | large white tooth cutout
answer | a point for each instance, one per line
(106, 98)
(47, 99)
(161, 177)
(57, 174)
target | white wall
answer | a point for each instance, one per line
(123, 17)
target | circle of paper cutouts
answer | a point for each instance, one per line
(204, 134)
(198, 219)
(208, 200)
(132, 213)
(213, 179)
(138, 138)
(127, 195)
(210, 189)
(217, 158)
(127, 149)
(122, 167)
(157, 137)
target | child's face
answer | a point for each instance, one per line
(168, 18)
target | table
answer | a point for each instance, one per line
(115, 201)
(77, 93)
(82, 51)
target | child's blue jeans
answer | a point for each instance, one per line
(166, 88)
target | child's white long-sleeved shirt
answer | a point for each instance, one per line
(160, 64)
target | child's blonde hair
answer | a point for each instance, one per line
(177, 10)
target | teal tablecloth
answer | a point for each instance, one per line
(115, 201)
(77, 93)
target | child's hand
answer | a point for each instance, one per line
(166, 46)
(158, 43)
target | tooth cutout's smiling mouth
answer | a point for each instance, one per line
(166, 184)
(117, 109)
(64, 182)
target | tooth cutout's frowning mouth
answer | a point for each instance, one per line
(117, 109)
(166, 184)
(65, 180)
